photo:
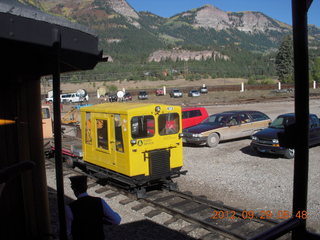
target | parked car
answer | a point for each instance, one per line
(127, 97)
(49, 99)
(175, 93)
(143, 95)
(194, 93)
(203, 90)
(112, 97)
(225, 126)
(192, 116)
(267, 140)
(71, 98)
(160, 92)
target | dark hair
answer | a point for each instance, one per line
(79, 183)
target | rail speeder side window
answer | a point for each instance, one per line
(88, 136)
(169, 124)
(45, 113)
(102, 133)
(118, 133)
(142, 126)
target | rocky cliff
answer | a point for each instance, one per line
(209, 16)
(184, 55)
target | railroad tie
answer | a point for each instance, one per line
(181, 203)
(153, 213)
(170, 221)
(202, 197)
(260, 230)
(102, 190)
(187, 192)
(153, 193)
(139, 206)
(91, 185)
(166, 198)
(238, 224)
(189, 228)
(127, 201)
(111, 195)
(211, 236)
(197, 209)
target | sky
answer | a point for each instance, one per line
(277, 9)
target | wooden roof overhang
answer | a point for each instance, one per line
(27, 37)
(34, 44)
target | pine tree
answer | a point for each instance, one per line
(315, 72)
(284, 60)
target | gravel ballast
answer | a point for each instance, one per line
(234, 174)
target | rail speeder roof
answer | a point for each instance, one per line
(126, 108)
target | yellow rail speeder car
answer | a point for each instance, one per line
(138, 144)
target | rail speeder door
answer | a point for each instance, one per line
(46, 122)
(117, 142)
(103, 143)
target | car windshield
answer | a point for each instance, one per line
(281, 122)
(216, 119)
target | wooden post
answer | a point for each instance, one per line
(242, 87)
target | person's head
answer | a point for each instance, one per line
(79, 184)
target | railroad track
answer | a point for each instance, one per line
(210, 219)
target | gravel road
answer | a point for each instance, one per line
(235, 175)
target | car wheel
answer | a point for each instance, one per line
(213, 140)
(289, 153)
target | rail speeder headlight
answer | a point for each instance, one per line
(254, 138)
(133, 141)
(197, 135)
(157, 109)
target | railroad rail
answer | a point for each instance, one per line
(212, 219)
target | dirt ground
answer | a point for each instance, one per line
(212, 98)
(129, 85)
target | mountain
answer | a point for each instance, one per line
(202, 34)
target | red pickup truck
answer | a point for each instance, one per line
(192, 116)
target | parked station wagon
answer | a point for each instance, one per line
(226, 126)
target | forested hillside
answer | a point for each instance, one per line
(248, 41)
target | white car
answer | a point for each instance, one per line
(71, 98)
(49, 99)
(175, 93)
(194, 93)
